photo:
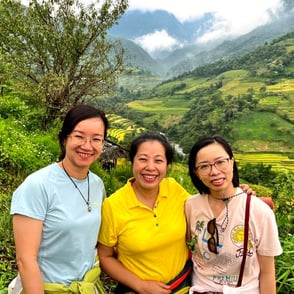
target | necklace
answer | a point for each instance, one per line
(86, 201)
(225, 222)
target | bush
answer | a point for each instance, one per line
(22, 153)
(7, 252)
(285, 267)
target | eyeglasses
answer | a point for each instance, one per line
(212, 241)
(220, 164)
(79, 139)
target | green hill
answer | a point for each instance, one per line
(246, 99)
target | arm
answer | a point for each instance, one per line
(111, 266)
(27, 235)
(267, 280)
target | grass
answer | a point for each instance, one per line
(265, 126)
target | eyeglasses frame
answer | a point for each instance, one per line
(86, 140)
(197, 168)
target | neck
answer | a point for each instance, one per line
(223, 195)
(73, 171)
(147, 197)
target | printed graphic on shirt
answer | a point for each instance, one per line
(237, 237)
(225, 257)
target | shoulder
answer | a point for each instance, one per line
(121, 194)
(196, 198)
(171, 184)
(260, 207)
(96, 178)
(40, 177)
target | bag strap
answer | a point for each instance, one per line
(246, 230)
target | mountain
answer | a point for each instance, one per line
(188, 58)
(182, 55)
(248, 99)
(136, 57)
(135, 24)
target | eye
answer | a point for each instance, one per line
(80, 137)
(97, 140)
(203, 166)
(159, 161)
(221, 162)
(142, 159)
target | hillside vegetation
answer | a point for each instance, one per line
(249, 98)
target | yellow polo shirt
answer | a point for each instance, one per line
(150, 243)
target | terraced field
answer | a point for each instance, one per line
(277, 161)
(120, 126)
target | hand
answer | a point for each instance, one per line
(247, 189)
(153, 287)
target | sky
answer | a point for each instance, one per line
(232, 17)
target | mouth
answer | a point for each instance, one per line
(149, 178)
(84, 155)
(217, 181)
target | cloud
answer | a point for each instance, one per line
(157, 41)
(232, 17)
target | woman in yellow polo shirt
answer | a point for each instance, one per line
(142, 238)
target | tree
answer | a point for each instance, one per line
(60, 49)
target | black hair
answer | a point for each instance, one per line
(150, 136)
(203, 142)
(73, 117)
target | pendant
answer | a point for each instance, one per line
(89, 208)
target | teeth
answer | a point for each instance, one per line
(217, 181)
(84, 155)
(149, 177)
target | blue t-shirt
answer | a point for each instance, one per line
(67, 250)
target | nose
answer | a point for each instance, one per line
(213, 169)
(150, 165)
(88, 142)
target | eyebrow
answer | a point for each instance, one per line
(94, 135)
(217, 158)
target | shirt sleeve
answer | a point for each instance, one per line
(268, 243)
(107, 235)
(30, 199)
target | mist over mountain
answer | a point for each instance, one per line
(135, 24)
(157, 42)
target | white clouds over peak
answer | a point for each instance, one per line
(186, 10)
(157, 41)
(232, 17)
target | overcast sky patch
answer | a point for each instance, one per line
(232, 17)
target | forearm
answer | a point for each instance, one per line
(30, 277)
(267, 279)
(267, 284)
(112, 267)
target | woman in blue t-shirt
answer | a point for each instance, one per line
(57, 209)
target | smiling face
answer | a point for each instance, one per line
(220, 174)
(149, 165)
(79, 156)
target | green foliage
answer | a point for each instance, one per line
(115, 177)
(285, 266)
(22, 152)
(26, 115)
(257, 174)
(7, 254)
(283, 191)
(61, 57)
